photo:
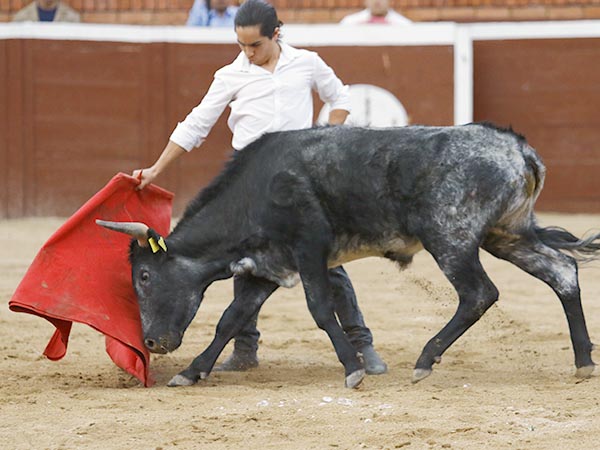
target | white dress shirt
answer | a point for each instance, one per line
(365, 17)
(262, 101)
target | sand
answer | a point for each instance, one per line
(507, 383)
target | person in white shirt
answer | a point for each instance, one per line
(269, 88)
(376, 12)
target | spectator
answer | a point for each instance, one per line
(47, 11)
(212, 13)
(378, 12)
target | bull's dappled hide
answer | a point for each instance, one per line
(82, 274)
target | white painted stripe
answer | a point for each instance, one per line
(420, 33)
(441, 33)
(116, 33)
(534, 30)
(299, 35)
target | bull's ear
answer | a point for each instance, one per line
(137, 230)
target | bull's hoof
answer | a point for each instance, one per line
(419, 374)
(373, 363)
(585, 371)
(355, 378)
(238, 361)
(180, 380)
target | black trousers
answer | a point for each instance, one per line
(346, 309)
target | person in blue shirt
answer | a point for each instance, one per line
(212, 13)
(47, 11)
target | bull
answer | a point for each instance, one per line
(295, 203)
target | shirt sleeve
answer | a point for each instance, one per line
(329, 87)
(195, 128)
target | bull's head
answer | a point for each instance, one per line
(169, 286)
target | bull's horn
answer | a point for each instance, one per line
(137, 230)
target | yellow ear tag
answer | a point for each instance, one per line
(157, 246)
(153, 245)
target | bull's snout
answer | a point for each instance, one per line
(155, 346)
(162, 345)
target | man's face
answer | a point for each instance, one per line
(378, 7)
(258, 49)
(47, 4)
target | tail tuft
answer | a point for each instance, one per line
(586, 249)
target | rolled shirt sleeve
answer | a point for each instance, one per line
(195, 128)
(329, 87)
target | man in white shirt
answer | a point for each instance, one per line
(376, 12)
(269, 88)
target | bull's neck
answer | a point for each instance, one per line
(216, 229)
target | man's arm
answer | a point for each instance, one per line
(171, 152)
(332, 91)
(190, 133)
(337, 116)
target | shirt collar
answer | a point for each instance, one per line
(288, 54)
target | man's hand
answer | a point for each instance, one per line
(146, 176)
(171, 152)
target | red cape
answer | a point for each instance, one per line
(82, 274)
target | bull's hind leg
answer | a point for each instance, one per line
(557, 270)
(476, 293)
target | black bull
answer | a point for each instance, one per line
(295, 203)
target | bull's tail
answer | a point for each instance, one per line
(536, 174)
(585, 249)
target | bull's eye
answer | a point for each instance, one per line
(145, 277)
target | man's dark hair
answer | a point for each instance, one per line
(258, 12)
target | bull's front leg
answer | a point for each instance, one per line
(251, 293)
(315, 281)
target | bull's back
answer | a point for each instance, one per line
(371, 180)
(379, 170)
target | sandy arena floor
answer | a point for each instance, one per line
(507, 383)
